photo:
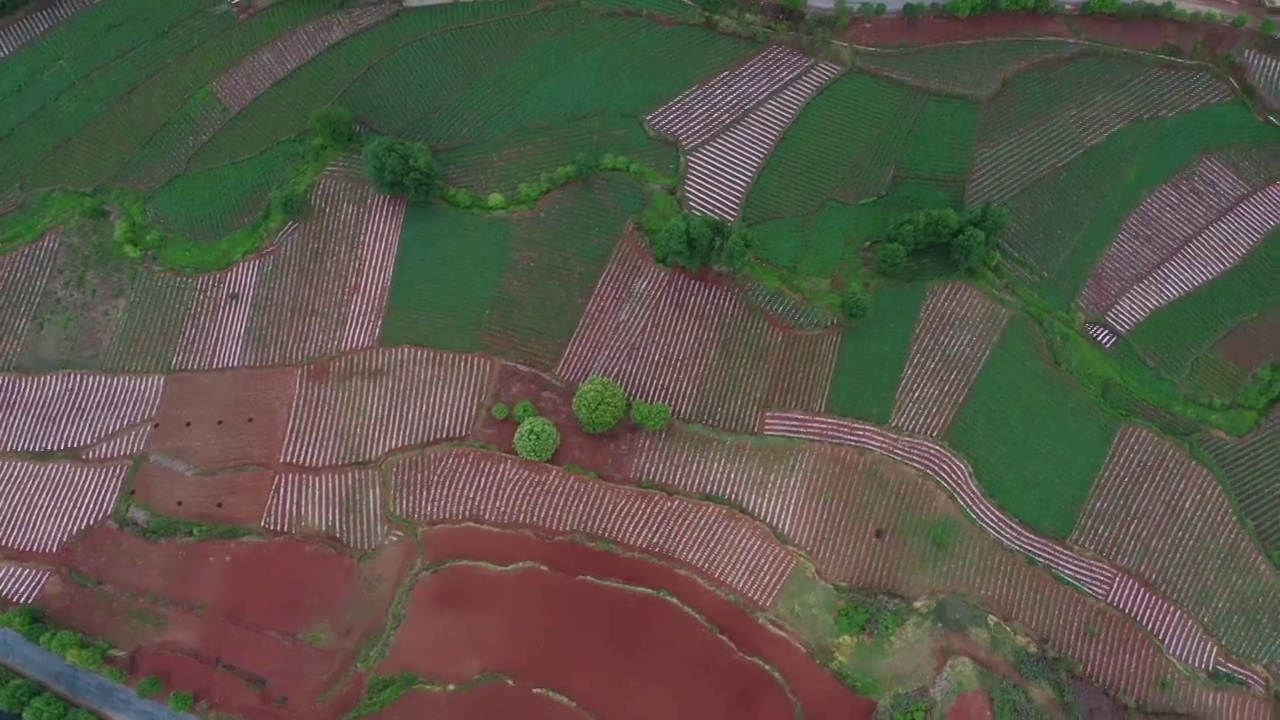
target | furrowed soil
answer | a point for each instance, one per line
(229, 498)
(225, 418)
(821, 695)
(607, 648)
(491, 700)
(298, 588)
(602, 454)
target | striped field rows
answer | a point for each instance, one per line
(43, 505)
(23, 275)
(358, 407)
(240, 85)
(695, 344)
(1159, 514)
(955, 332)
(21, 584)
(37, 23)
(1264, 72)
(346, 504)
(67, 410)
(471, 485)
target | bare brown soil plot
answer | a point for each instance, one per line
(820, 695)
(1252, 344)
(607, 648)
(230, 498)
(225, 418)
(489, 700)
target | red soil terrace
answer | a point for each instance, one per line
(226, 418)
(821, 696)
(616, 652)
(972, 705)
(232, 498)
(484, 702)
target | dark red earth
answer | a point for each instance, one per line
(488, 701)
(618, 653)
(227, 498)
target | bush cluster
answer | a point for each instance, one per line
(401, 167)
(969, 237)
(694, 242)
(599, 404)
(537, 439)
(26, 700)
(650, 416)
(149, 686)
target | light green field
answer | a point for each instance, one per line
(873, 353)
(1035, 438)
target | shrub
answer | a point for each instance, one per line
(181, 701)
(599, 404)
(1240, 20)
(537, 439)
(1267, 26)
(400, 167)
(854, 302)
(891, 259)
(149, 686)
(46, 707)
(333, 127)
(114, 674)
(500, 411)
(496, 201)
(852, 619)
(17, 694)
(650, 416)
(525, 410)
(695, 242)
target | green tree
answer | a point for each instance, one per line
(599, 404)
(694, 242)
(891, 259)
(400, 167)
(843, 14)
(1267, 26)
(525, 409)
(333, 127)
(46, 707)
(1240, 20)
(854, 302)
(650, 416)
(17, 694)
(500, 411)
(537, 439)
(181, 701)
(911, 10)
(149, 686)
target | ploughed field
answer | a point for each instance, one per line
(249, 433)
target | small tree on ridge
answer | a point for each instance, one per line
(599, 404)
(537, 439)
(400, 167)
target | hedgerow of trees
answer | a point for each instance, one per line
(537, 439)
(599, 404)
(400, 167)
(969, 237)
(694, 242)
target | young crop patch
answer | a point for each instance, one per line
(1172, 338)
(974, 70)
(694, 344)
(46, 504)
(63, 411)
(32, 25)
(1010, 163)
(346, 504)
(842, 145)
(1249, 467)
(21, 584)
(957, 328)
(1035, 438)
(1163, 516)
(557, 255)
(23, 275)
(873, 354)
(941, 140)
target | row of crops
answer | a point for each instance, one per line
(970, 70)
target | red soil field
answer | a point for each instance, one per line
(291, 674)
(820, 695)
(230, 498)
(490, 701)
(972, 705)
(1252, 344)
(599, 453)
(225, 419)
(297, 587)
(618, 653)
(221, 687)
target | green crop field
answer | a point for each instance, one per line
(1035, 438)
(130, 192)
(873, 353)
(1175, 335)
(968, 69)
(844, 145)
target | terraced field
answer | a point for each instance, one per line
(296, 300)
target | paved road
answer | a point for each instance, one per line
(111, 701)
